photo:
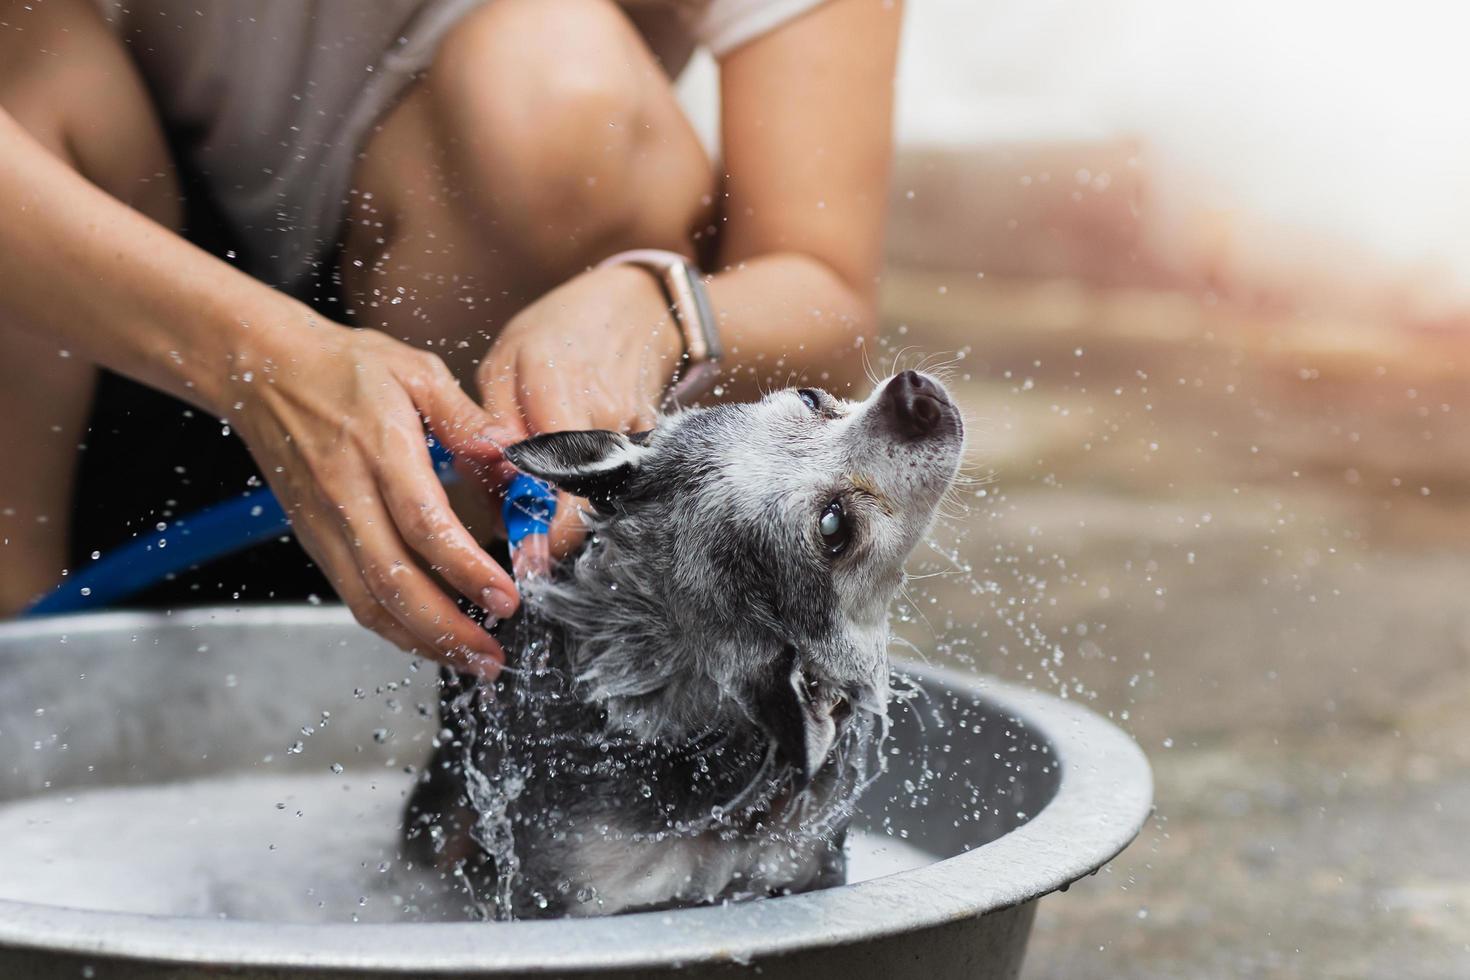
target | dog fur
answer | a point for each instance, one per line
(694, 699)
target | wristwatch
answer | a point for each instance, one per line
(688, 301)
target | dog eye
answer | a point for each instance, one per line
(834, 528)
(811, 398)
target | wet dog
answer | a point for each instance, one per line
(694, 698)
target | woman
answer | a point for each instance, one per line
(454, 172)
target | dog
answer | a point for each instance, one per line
(692, 700)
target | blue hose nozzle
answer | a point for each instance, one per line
(529, 506)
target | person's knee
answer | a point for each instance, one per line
(68, 81)
(562, 126)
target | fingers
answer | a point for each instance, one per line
(552, 406)
(421, 513)
(498, 381)
(335, 560)
(491, 477)
(337, 557)
(456, 421)
(567, 529)
(417, 502)
(396, 584)
(353, 466)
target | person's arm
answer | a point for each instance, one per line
(331, 414)
(807, 117)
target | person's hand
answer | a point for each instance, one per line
(597, 352)
(333, 417)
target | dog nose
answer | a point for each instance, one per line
(913, 404)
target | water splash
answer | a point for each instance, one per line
(491, 798)
(514, 740)
(528, 510)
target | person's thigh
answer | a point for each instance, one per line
(543, 137)
(70, 84)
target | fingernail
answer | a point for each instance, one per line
(498, 603)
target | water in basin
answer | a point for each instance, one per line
(283, 848)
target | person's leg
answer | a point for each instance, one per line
(543, 138)
(67, 81)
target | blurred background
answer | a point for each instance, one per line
(1201, 274)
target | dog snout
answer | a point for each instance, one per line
(915, 406)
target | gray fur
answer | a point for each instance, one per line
(698, 658)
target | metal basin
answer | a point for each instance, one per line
(114, 727)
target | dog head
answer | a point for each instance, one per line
(743, 557)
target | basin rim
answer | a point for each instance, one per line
(1104, 797)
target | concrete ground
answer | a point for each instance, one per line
(1247, 539)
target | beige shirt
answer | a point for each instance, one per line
(270, 101)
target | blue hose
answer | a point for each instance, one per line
(211, 533)
(235, 525)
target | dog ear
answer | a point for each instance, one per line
(799, 717)
(596, 464)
